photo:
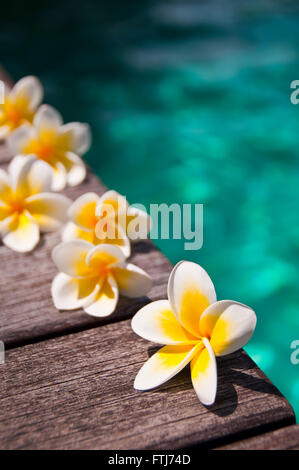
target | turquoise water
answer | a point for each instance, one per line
(190, 102)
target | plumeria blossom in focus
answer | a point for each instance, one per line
(26, 204)
(59, 145)
(20, 104)
(106, 219)
(92, 277)
(195, 329)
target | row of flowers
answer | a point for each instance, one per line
(93, 265)
(34, 129)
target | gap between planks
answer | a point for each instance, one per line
(281, 439)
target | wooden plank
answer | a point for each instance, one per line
(281, 439)
(76, 392)
(27, 309)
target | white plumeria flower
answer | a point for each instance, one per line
(20, 104)
(194, 327)
(26, 204)
(92, 277)
(93, 216)
(59, 145)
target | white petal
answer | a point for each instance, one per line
(70, 258)
(229, 325)
(49, 210)
(163, 365)
(138, 228)
(47, 118)
(19, 138)
(190, 292)
(30, 89)
(132, 281)
(7, 223)
(4, 178)
(106, 299)
(204, 374)
(16, 164)
(82, 211)
(19, 171)
(69, 293)
(40, 177)
(78, 134)
(156, 322)
(69, 232)
(77, 172)
(22, 234)
(59, 177)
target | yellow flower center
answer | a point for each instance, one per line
(17, 207)
(49, 146)
(104, 270)
(101, 263)
(15, 113)
(44, 151)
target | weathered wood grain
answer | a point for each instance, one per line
(281, 439)
(76, 392)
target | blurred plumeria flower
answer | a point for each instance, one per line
(59, 145)
(20, 104)
(106, 219)
(26, 204)
(92, 277)
(194, 327)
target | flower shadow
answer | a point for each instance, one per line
(235, 371)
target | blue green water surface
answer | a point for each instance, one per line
(189, 101)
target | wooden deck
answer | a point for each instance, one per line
(67, 381)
